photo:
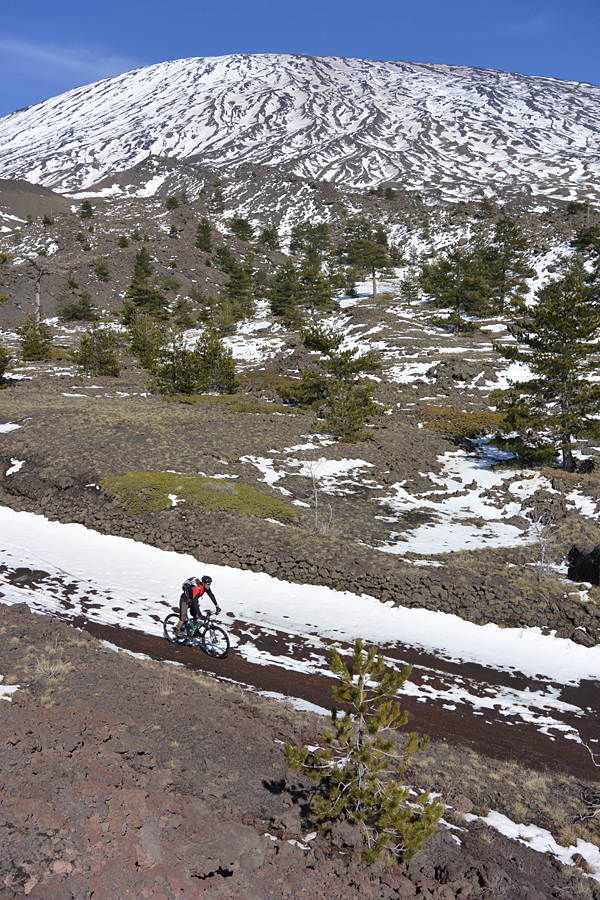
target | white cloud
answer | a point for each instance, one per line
(88, 64)
(532, 25)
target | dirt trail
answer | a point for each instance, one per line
(495, 734)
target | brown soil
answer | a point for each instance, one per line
(127, 778)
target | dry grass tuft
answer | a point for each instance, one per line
(51, 668)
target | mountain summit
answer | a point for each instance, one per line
(358, 123)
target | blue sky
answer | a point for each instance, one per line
(49, 47)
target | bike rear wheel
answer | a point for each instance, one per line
(215, 641)
(170, 630)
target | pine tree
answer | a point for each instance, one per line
(207, 367)
(269, 237)
(241, 228)
(335, 391)
(505, 264)
(311, 240)
(366, 248)
(458, 281)
(357, 771)
(218, 365)
(317, 293)
(147, 338)
(87, 210)
(285, 294)
(218, 204)
(76, 307)
(5, 360)
(142, 267)
(204, 235)
(182, 313)
(225, 259)
(97, 353)
(35, 339)
(239, 289)
(142, 292)
(560, 403)
(123, 242)
(348, 408)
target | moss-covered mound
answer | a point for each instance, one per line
(236, 403)
(146, 492)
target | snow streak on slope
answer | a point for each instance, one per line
(355, 122)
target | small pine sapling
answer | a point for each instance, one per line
(35, 339)
(358, 768)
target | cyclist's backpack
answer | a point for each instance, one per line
(188, 588)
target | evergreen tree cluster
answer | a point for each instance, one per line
(482, 279)
(207, 367)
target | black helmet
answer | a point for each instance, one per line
(206, 579)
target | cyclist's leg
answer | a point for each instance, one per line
(183, 611)
(196, 611)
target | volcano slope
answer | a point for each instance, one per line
(417, 516)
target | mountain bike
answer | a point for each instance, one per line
(212, 637)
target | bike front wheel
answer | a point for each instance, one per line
(215, 641)
(170, 630)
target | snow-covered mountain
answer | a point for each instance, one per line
(358, 123)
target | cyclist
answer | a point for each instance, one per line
(192, 590)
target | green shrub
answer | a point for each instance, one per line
(142, 493)
(87, 210)
(102, 271)
(458, 422)
(122, 242)
(97, 353)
